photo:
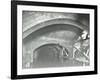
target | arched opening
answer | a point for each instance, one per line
(64, 34)
(52, 55)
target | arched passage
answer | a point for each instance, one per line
(62, 31)
(51, 55)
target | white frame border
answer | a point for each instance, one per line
(21, 71)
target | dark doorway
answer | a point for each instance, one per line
(47, 56)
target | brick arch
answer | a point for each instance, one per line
(38, 26)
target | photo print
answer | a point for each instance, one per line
(52, 39)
